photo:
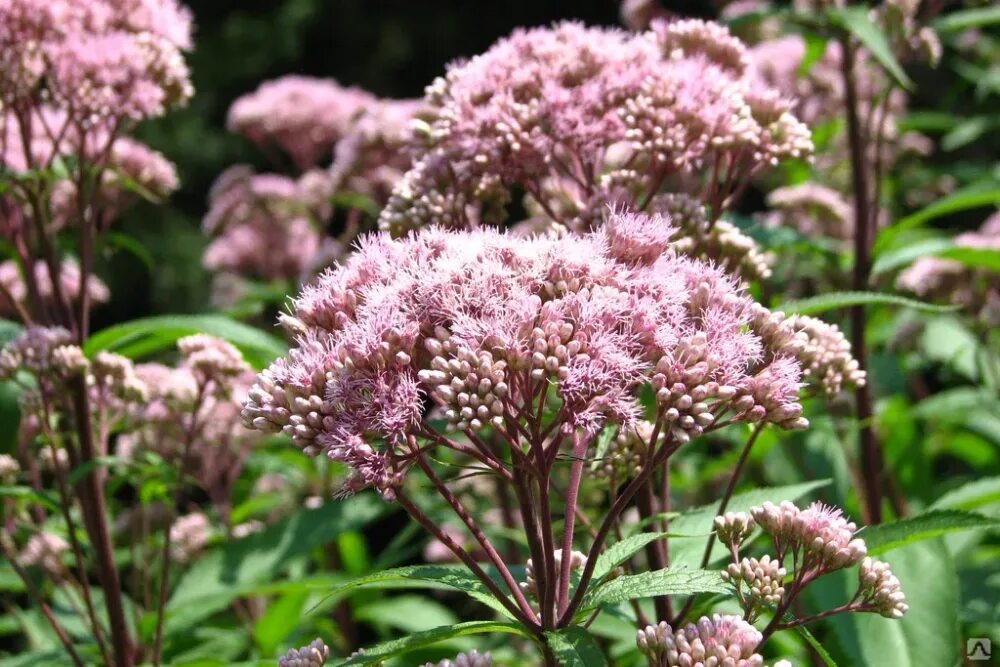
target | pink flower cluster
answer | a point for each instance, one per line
(720, 640)
(579, 117)
(262, 226)
(128, 168)
(303, 116)
(951, 281)
(478, 322)
(374, 155)
(101, 59)
(14, 290)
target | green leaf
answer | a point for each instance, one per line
(966, 131)
(980, 258)
(283, 615)
(84, 469)
(834, 300)
(815, 49)
(856, 21)
(575, 647)
(9, 331)
(131, 246)
(153, 334)
(390, 649)
(688, 552)
(975, 196)
(887, 536)
(406, 613)
(971, 495)
(907, 254)
(47, 499)
(928, 635)
(358, 200)
(455, 577)
(621, 551)
(241, 566)
(968, 18)
(671, 581)
(821, 651)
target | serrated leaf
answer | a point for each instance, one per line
(670, 581)
(621, 551)
(857, 22)
(145, 336)
(454, 577)
(834, 300)
(887, 536)
(377, 654)
(575, 647)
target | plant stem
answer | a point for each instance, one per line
(575, 476)
(92, 492)
(37, 597)
(480, 536)
(418, 515)
(609, 521)
(706, 556)
(871, 452)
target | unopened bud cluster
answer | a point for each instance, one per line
(716, 641)
(762, 578)
(470, 386)
(314, 654)
(734, 528)
(822, 534)
(826, 358)
(470, 659)
(577, 561)
(626, 451)
(881, 589)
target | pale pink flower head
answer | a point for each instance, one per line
(719, 640)
(471, 321)
(14, 287)
(45, 550)
(951, 281)
(373, 155)
(304, 116)
(579, 117)
(314, 654)
(262, 226)
(825, 537)
(101, 60)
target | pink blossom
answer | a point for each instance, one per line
(579, 117)
(12, 286)
(474, 320)
(303, 116)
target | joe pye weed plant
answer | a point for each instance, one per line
(560, 342)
